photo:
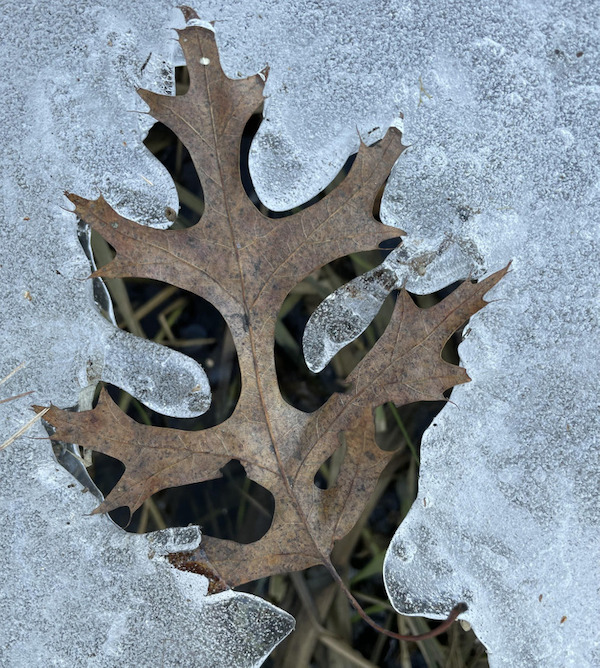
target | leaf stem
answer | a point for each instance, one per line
(441, 628)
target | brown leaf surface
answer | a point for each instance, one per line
(245, 264)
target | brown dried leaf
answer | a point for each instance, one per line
(246, 264)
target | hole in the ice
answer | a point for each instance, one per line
(232, 507)
(392, 499)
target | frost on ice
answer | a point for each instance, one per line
(500, 107)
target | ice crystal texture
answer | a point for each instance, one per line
(500, 105)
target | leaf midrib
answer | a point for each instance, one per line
(262, 401)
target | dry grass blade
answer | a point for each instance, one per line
(25, 427)
(353, 657)
(17, 396)
(13, 372)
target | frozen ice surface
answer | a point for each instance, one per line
(500, 105)
(171, 385)
(67, 123)
(333, 75)
(71, 86)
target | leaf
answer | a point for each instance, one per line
(246, 264)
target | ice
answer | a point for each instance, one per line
(333, 76)
(78, 590)
(68, 123)
(172, 385)
(500, 105)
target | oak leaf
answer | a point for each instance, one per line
(245, 264)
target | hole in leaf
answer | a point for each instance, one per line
(232, 507)
(395, 425)
(182, 80)
(247, 136)
(106, 471)
(189, 324)
(377, 202)
(169, 149)
(235, 507)
(301, 387)
(433, 298)
(328, 473)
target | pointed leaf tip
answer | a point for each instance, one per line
(189, 14)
